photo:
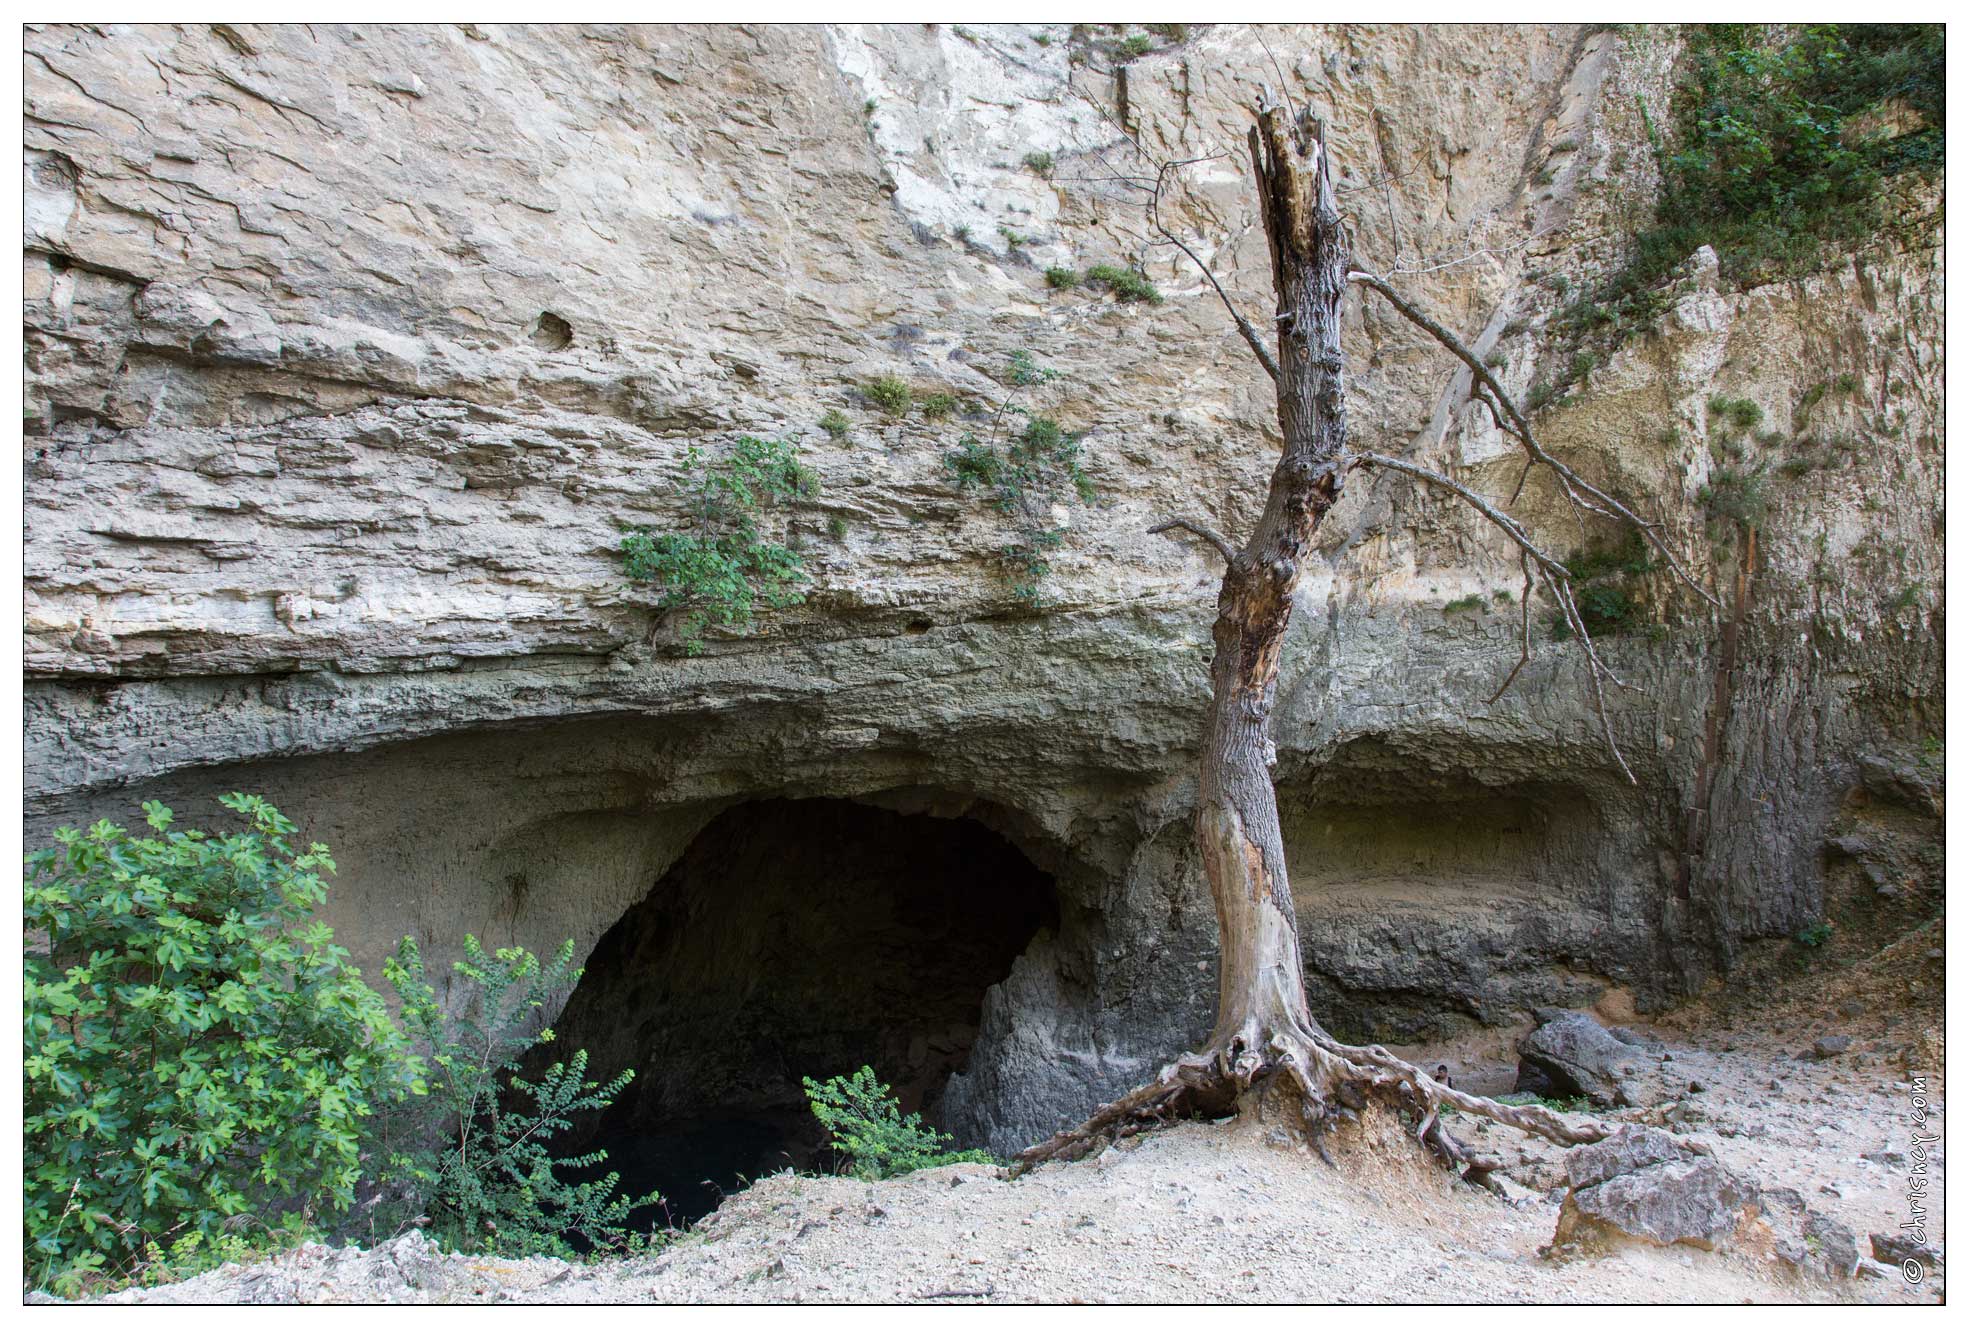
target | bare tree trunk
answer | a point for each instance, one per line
(1261, 991)
(1265, 1031)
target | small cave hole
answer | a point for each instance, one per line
(793, 938)
(918, 626)
(551, 332)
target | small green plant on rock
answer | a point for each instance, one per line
(720, 573)
(866, 1127)
(490, 1180)
(938, 406)
(836, 425)
(1126, 284)
(1040, 164)
(1605, 582)
(1022, 477)
(1736, 496)
(1062, 279)
(890, 394)
(1814, 935)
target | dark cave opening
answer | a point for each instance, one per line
(793, 938)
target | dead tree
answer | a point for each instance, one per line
(1265, 1033)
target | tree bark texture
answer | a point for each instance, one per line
(1261, 987)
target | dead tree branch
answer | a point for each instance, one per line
(1223, 546)
(1595, 500)
(1163, 171)
(1557, 579)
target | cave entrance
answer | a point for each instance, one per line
(794, 938)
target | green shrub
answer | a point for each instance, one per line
(1133, 47)
(938, 405)
(1629, 558)
(722, 572)
(973, 465)
(866, 1127)
(1736, 496)
(1062, 279)
(1737, 413)
(1814, 935)
(1013, 240)
(889, 393)
(1465, 602)
(200, 1054)
(1605, 579)
(1040, 163)
(836, 425)
(837, 526)
(1776, 161)
(490, 1181)
(1024, 371)
(1023, 478)
(1126, 284)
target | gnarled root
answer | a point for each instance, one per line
(1333, 1082)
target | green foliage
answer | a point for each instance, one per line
(725, 569)
(973, 465)
(490, 1181)
(200, 1054)
(1131, 48)
(1026, 372)
(1126, 284)
(890, 394)
(866, 1127)
(1040, 163)
(1575, 1104)
(1736, 496)
(1814, 935)
(1062, 279)
(837, 526)
(1023, 477)
(1628, 558)
(1604, 581)
(836, 425)
(194, 1253)
(1458, 605)
(938, 405)
(1782, 159)
(1737, 413)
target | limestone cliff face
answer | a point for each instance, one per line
(351, 352)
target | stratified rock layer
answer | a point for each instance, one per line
(350, 352)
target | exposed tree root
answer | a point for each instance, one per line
(1331, 1081)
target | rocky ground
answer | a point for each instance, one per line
(1236, 1211)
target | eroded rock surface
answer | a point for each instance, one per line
(1645, 1183)
(350, 352)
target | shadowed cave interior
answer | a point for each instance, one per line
(793, 938)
